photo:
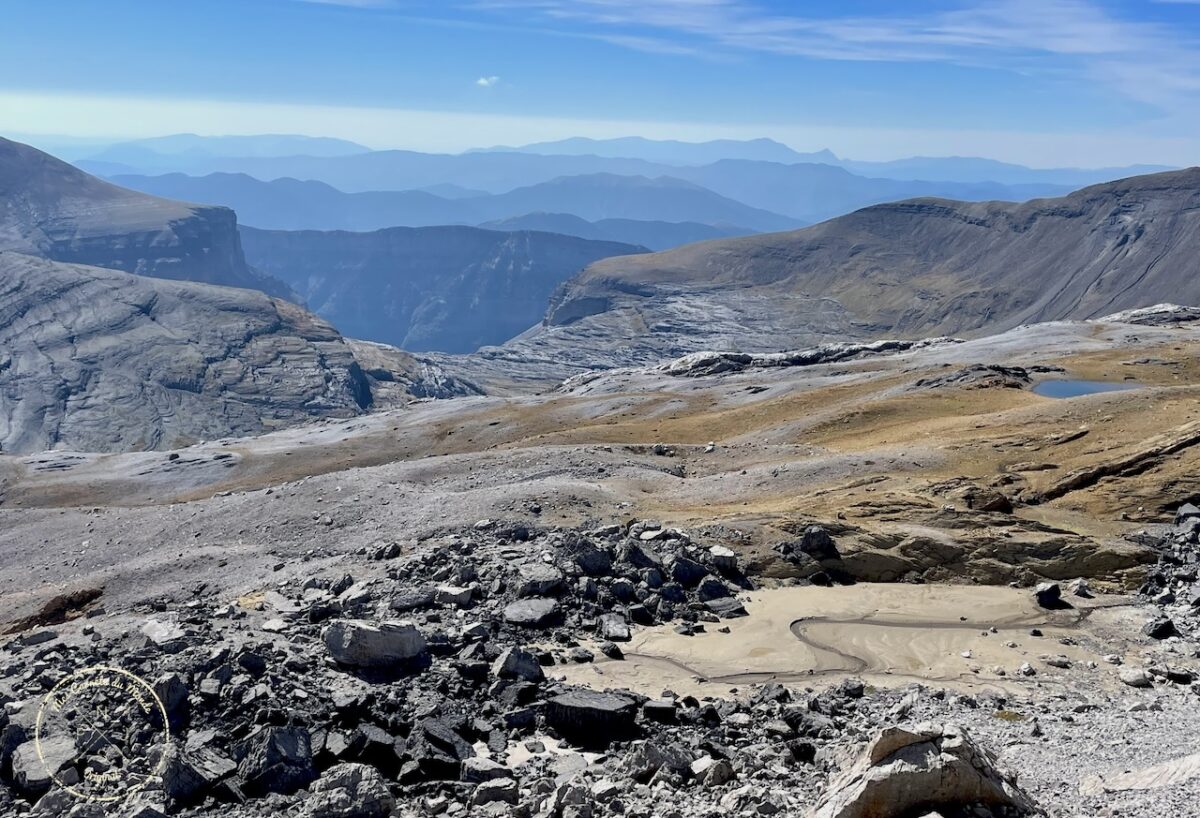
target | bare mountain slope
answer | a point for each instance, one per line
(913, 268)
(51, 209)
(100, 360)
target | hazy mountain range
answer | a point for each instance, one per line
(799, 191)
(928, 168)
(724, 187)
(671, 151)
(288, 204)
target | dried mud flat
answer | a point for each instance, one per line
(888, 514)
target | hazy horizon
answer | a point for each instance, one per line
(72, 147)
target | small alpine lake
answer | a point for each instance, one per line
(1067, 388)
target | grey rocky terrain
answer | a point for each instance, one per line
(100, 360)
(578, 604)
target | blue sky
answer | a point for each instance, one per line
(1082, 82)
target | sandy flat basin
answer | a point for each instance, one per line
(888, 634)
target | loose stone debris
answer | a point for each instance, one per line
(424, 681)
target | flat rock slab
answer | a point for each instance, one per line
(365, 644)
(538, 612)
(1167, 774)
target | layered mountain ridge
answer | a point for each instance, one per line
(914, 268)
(51, 209)
(95, 359)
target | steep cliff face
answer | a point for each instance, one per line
(450, 289)
(915, 268)
(100, 360)
(51, 209)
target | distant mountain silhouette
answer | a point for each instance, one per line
(655, 235)
(974, 169)
(917, 168)
(804, 191)
(673, 152)
(260, 145)
(815, 192)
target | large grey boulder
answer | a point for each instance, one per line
(349, 791)
(357, 643)
(539, 579)
(33, 767)
(915, 771)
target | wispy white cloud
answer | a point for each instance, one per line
(487, 82)
(1142, 60)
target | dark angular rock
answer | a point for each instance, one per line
(1161, 627)
(711, 588)
(638, 557)
(592, 719)
(662, 711)
(173, 693)
(687, 572)
(276, 759)
(1186, 512)
(1048, 595)
(436, 752)
(517, 663)
(593, 561)
(188, 776)
(611, 650)
(415, 599)
(817, 544)
(375, 746)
